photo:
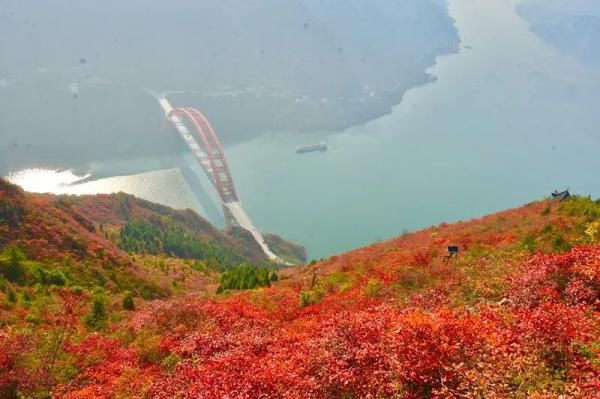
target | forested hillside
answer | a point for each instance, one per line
(514, 314)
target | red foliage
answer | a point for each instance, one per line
(422, 257)
(572, 277)
(13, 347)
(357, 346)
(406, 336)
(107, 367)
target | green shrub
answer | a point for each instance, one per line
(13, 269)
(529, 243)
(305, 299)
(546, 211)
(33, 319)
(25, 296)
(581, 206)
(96, 319)
(148, 348)
(43, 275)
(128, 301)
(170, 362)
(311, 297)
(245, 277)
(77, 289)
(200, 266)
(54, 277)
(477, 251)
(11, 296)
(373, 288)
(338, 281)
(559, 244)
(57, 278)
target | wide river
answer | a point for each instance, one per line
(508, 120)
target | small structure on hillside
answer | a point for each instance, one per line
(452, 253)
(314, 280)
(561, 195)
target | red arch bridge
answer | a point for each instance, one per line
(208, 152)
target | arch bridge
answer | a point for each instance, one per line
(208, 152)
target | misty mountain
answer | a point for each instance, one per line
(573, 27)
(250, 66)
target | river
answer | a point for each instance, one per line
(508, 120)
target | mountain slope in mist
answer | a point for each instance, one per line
(573, 27)
(249, 66)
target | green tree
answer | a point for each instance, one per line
(128, 301)
(245, 277)
(96, 319)
(559, 244)
(13, 270)
(12, 296)
(57, 278)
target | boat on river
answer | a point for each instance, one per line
(321, 146)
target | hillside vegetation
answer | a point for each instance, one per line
(515, 314)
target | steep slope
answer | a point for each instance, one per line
(235, 244)
(119, 241)
(50, 231)
(515, 314)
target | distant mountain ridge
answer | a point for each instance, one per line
(250, 66)
(572, 27)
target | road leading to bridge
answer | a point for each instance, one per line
(207, 150)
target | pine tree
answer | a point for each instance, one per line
(128, 303)
(96, 319)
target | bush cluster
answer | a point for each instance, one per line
(246, 277)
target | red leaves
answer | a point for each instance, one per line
(435, 330)
(106, 368)
(349, 345)
(422, 258)
(572, 277)
(578, 291)
(431, 348)
(552, 327)
(13, 347)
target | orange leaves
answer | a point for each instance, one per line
(249, 346)
(394, 320)
(377, 351)
(422, 258)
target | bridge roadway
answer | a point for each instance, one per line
(233, 207)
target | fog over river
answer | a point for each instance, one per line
(509, 118)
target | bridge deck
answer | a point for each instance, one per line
(243, 220)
